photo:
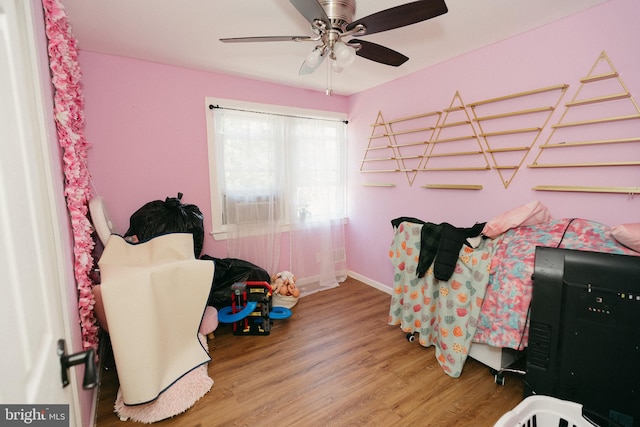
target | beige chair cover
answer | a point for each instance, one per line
(154, 294)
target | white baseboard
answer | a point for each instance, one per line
(380, 286)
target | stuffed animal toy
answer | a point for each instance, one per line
(284, 283)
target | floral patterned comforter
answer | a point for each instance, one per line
(487, 298)
(503, 318)
(443, 313)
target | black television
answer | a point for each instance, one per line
(584, 332)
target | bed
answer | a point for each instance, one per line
(481, 309)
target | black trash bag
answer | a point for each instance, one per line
(171, 216)
(228, 271)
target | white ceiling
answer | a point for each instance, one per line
(186, 33)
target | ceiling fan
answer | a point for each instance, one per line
(332, 20)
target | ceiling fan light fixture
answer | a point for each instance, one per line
(332, 21)
(313, 58)
(344, 55)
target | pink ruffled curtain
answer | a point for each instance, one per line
(69, 119)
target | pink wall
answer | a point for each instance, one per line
(146, 122)
(562, 52)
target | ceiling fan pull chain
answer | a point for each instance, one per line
(329, 90)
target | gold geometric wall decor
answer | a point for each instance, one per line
(510, 125)
(601, 102)
(399, 145)
(411, 136)
(455, 139)
(379, 155)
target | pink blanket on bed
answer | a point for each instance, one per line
(503, 320)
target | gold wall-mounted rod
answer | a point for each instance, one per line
(507, 149)
(595, 100)
(595, 142)
(453, 186)
(595, 121)
(515, 113)
(516, 95)
(417, 116)
(404, 132)
(409, 144)
(452, 109)
(605, 76)
(581, 189)
(479, 168)
(457, 138)
(378, 159)
(582, 165)
(512, 131)
(382, 147)
(457, 153)
(374, 184)
(453, 124)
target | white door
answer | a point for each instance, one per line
(34, 233)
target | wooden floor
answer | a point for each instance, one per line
(335, 362)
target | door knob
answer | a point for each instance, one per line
(87, 358)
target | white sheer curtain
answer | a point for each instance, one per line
(317, 244)
(250, 149)
(280, 174)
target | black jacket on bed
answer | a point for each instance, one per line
(451, 241)
(440, 245)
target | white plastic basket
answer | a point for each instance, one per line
(286, 301)
(544, 411)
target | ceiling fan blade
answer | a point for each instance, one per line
(399, 16)
(311, 10)
(265, 39)
(378, 53)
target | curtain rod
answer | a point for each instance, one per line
(211, 107)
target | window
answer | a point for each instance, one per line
(269, 164)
